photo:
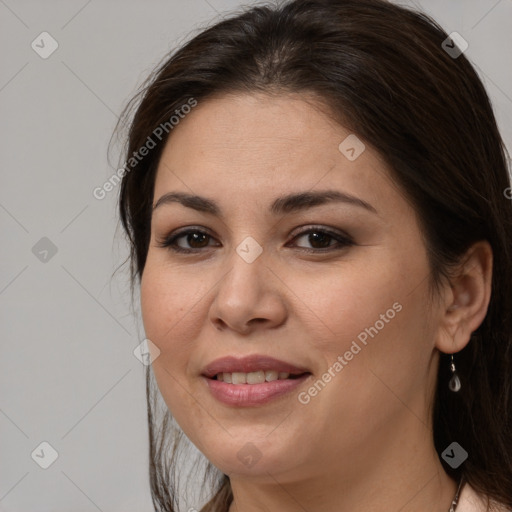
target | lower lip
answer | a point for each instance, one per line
(247, 395)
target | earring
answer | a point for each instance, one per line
(454, 383)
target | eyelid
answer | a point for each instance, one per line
(335, 232)
(167, 240)
(341, 237)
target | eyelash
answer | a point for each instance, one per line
(343, 240)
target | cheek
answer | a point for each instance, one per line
(391, 368)
(374, 317)
(342, 303)
(168, 302)
(167, 305)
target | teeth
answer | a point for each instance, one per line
(252, 377)
(271, 375)
(255, 377)
(239, 378)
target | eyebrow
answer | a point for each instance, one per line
(282, 205)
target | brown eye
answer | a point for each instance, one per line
(320, 240)
(195, 239)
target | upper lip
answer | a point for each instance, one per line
(247, 364)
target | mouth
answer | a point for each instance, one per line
(251, 364)
(258, 377)
(253, 380)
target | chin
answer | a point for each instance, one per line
(248, 455)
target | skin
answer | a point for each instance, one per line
(363, 443)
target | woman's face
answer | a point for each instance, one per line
(337, 288)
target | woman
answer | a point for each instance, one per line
(315, 196)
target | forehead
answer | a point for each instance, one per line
(260, 146)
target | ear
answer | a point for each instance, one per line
(466, 299)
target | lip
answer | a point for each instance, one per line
(247, 364)
(249, 395)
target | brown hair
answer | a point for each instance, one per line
(384, 74)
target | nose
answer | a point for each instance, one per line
(249, 296)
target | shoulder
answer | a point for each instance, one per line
(471, 501)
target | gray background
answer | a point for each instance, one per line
(68, 375)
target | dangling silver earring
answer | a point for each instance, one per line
(454, 383)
